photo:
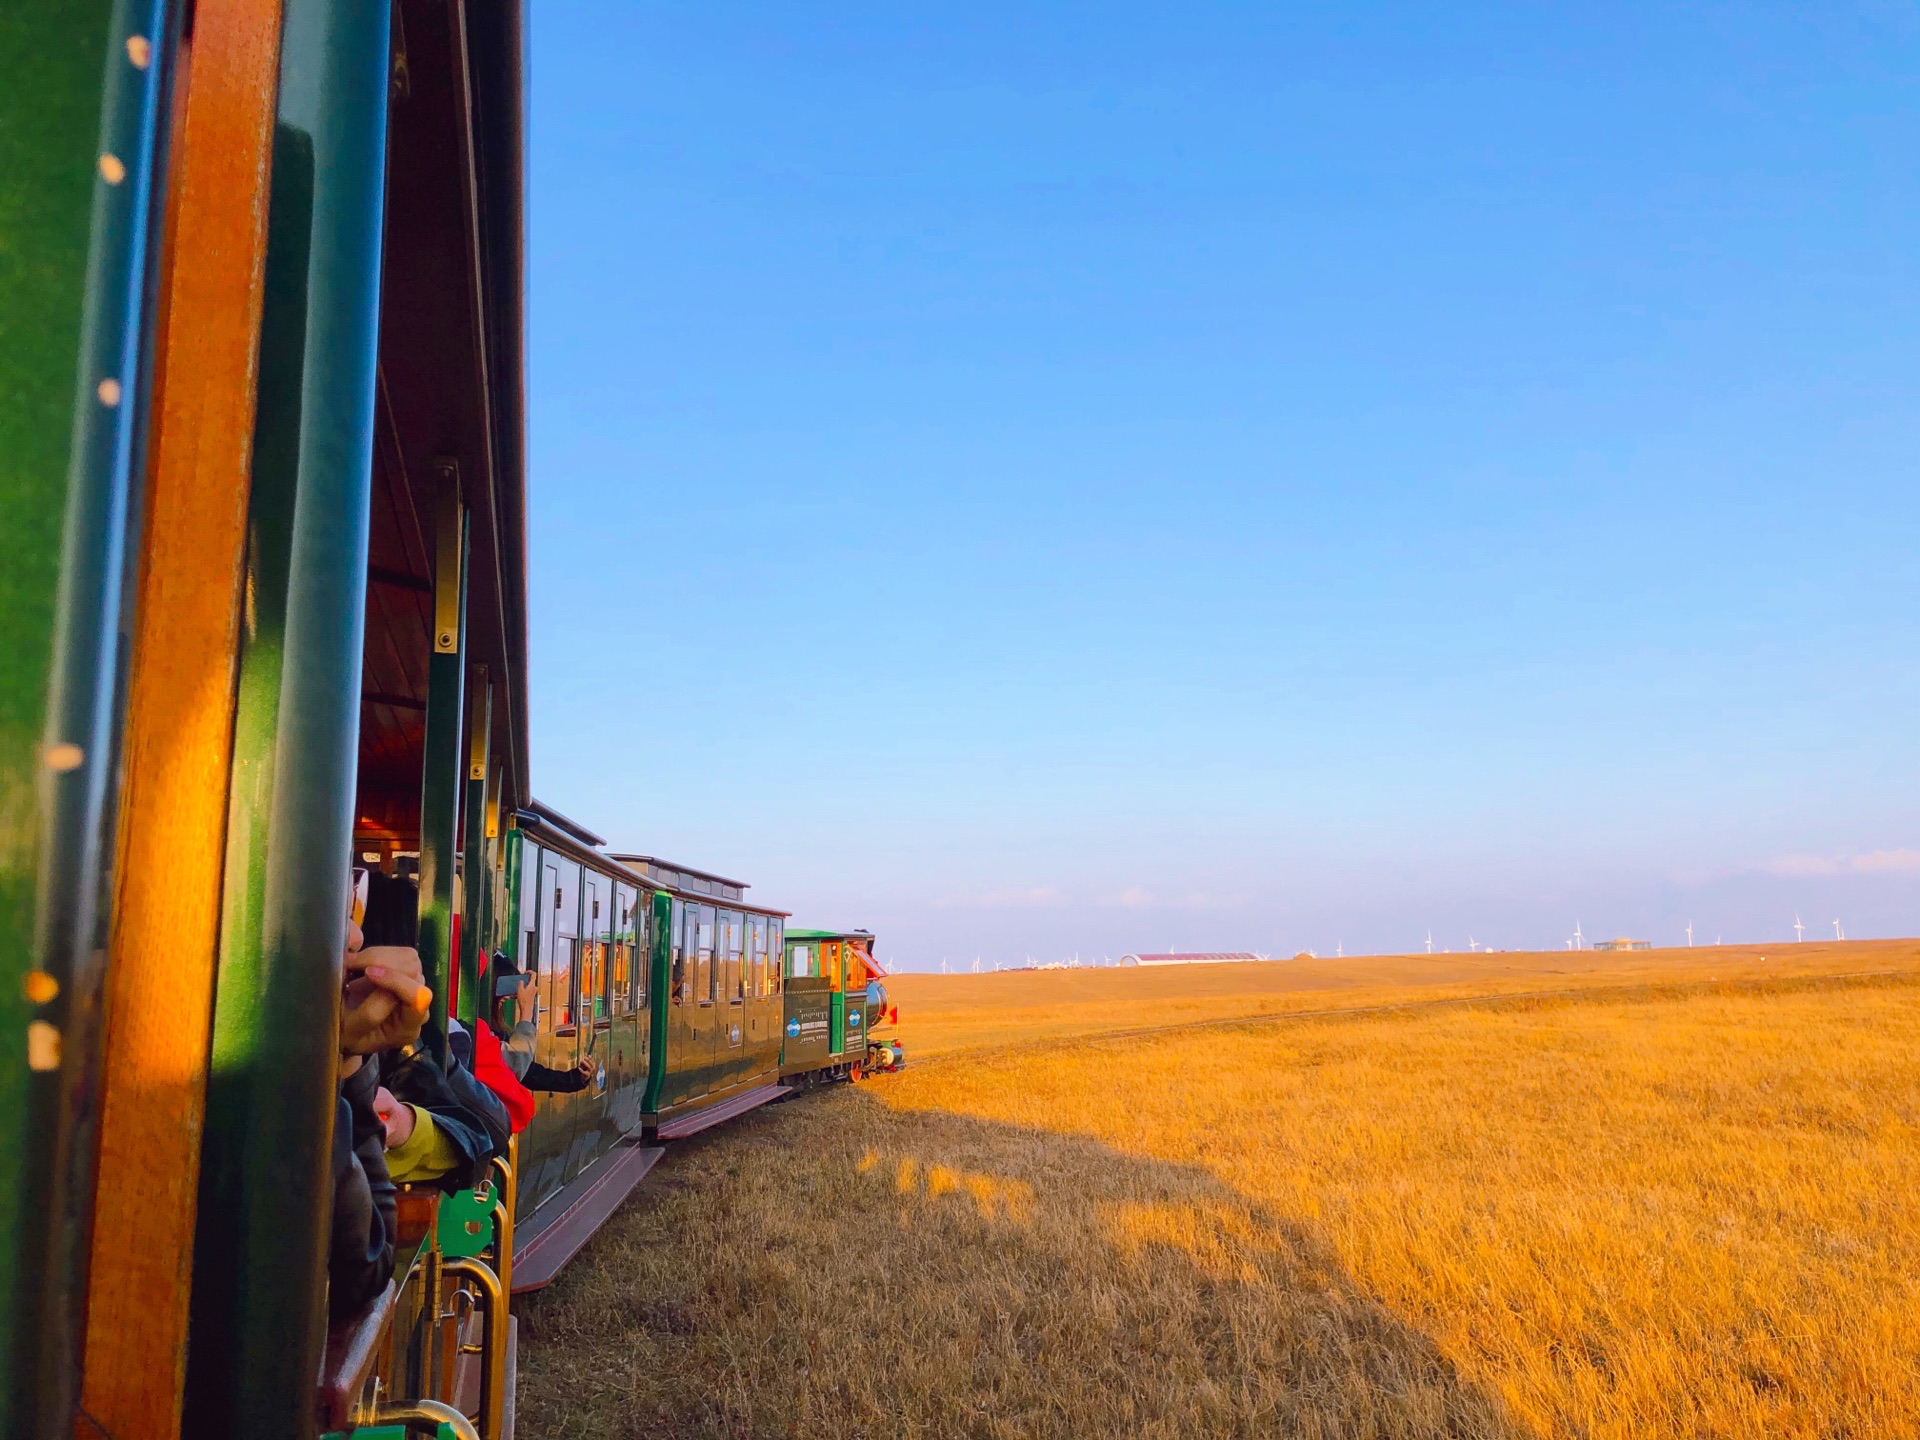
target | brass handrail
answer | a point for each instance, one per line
(420, 1414)
(507, 1196)
(503, 1244)
(493, 1341)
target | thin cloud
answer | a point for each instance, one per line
(1873, 862)
(1029, 897)
(1138, 897)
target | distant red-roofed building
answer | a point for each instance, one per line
(1197, 957)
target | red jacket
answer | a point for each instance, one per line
(491, 1071)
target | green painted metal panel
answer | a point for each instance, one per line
(513, 927)
(475, 873)
(260, 1258)
(79, 149)
(440, 799)
(465, 1224)
(660, 963)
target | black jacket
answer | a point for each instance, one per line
(360, 1250)
(467, 1088)
(561, 1082)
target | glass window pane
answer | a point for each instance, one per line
(621, 968)
(642, 948)
(776, 948)
(677, 953)
(528, 956)
(559, 937)
(596, 939)
(731, 927)
(703, 967)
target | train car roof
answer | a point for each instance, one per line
(555, 837)
(573, 827)
(793, 934)
(642, 871)
(673, 872)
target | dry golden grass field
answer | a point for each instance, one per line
(1667, 1204)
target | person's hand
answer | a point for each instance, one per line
(396, 1115)
(588, 1070)
(386, 1002)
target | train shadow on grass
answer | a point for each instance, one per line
(837, 1267)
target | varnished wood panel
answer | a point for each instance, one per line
(180, 722)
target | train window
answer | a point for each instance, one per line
(776, 948)
(730, 940)
(703, 980)
(642, 948)
(596, 940)
(746, 956)
(801, 960)
(740, 978)
(677, 953)
(528, 957)
(756, 956)
(625, 917)
(560, 939)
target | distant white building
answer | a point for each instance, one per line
(1621, 942)
(1198, 957)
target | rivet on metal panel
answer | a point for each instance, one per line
(43, 1046)
(448, 531)
(40, 986)
(109, 392)
(112, 169)
(139, 51)
(65, 756)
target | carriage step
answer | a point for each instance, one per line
(681, 1126)
(541, 1258)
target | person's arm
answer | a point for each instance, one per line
(360, 1248)
(370, 1143)
(493, 1072)
(425, 1154)
(561, 1082)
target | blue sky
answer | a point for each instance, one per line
(1037, 479)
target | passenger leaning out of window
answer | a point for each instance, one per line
(383, 1004)
(512, 984)
(441, 1126)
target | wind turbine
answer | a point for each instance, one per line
(1838, 933)
(1429, 942)
(1579, 940)
(1689, 934)
(1473, 945)
(1339, 950)
(1799, 930)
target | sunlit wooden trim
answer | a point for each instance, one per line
(180, 720)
